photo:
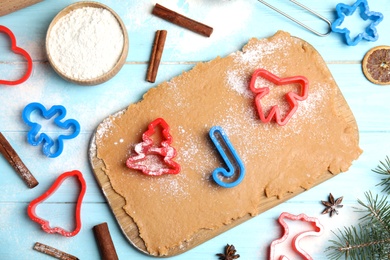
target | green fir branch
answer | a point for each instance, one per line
(371, 238)
(384, 169)
(377, 211)
(360, 242)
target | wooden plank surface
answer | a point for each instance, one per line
(234, 22)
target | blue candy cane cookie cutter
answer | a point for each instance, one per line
(234, 168)
(369, 34)
(48, 144)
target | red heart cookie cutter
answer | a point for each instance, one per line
(291, 97)
(20, 51)
(44, 223)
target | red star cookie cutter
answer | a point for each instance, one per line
(20, 51)
(318, 230)
(147, 148)
(291, 97)
(44, 223)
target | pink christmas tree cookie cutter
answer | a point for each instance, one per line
(44, 223)
(295, 244)
(147, 148)
(291, 97)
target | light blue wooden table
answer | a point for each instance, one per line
(234, 22)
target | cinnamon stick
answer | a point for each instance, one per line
(155, 57)
(14, 160)
(51, 251)
(105, 244)
(9, 6)
(182, 20)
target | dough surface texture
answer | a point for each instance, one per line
(170, 210)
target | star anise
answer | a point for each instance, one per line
(332, 205)
(230, 253)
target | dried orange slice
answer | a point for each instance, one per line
(376, 65)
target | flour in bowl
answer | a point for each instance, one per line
(86, 43)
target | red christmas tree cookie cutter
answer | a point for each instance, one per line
(318, 230)
(147, 148)
(44, 223)
(291, 97)
(20, 51)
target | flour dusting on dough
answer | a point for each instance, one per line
(104, 128)
(250, 58)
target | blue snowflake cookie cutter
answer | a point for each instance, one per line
(235, 168)
(48, 144)
(370, 33)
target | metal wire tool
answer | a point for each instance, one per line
(298, 22)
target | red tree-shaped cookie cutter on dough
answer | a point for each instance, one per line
(318, 230)
(148, 148)
(44, 223)
(20, 51)
(291, 97)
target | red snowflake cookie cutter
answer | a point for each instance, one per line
(20, 51)
(147, 148)
(318, 230)
(291, 97)
(44, 223)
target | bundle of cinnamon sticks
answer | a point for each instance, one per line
(160, 37)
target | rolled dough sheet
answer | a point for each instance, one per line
(170, 210)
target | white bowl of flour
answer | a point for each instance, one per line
(87, 43)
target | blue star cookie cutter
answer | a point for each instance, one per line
(51, 148)
(230, 157)
(370, 33)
